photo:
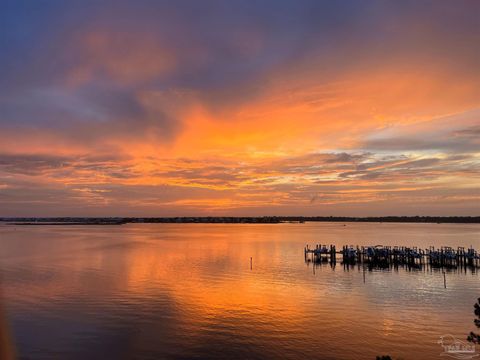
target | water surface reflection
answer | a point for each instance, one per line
(187, 291)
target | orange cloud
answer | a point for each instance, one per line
(172, 115)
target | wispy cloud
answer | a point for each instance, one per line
(227, 185)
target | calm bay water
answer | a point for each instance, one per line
(186, 291)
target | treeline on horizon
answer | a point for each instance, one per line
(237, 219)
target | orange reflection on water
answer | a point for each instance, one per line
(196, 279)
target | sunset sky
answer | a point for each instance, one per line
(183, 108)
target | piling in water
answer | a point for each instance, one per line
(387, 256)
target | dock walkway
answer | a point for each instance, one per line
(444, 256)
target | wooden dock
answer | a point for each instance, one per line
(385, 256)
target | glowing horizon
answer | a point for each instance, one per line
(237, 108)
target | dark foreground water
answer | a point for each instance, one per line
(186, 291)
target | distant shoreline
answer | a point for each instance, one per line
(237, 220)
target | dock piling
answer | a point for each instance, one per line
(388, 256)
